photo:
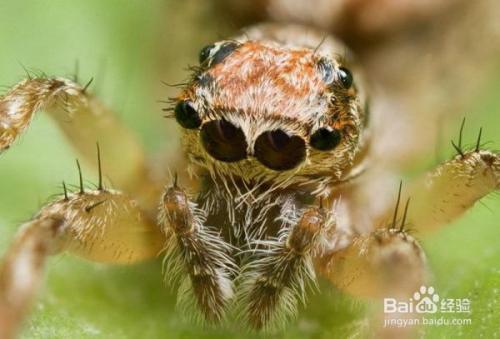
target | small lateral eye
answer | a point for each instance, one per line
(216, 53)
(345, 77)
(325, 139)
(224, 50)
(205, 53)
(186, 115)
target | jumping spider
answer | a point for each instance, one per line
(276, 143)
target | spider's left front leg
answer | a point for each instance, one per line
(437, 198)
(275, 282)
(452, 188)
(386, 263)
(445, 193)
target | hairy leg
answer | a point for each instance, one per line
(452, 188)
(102, 225)
(437, 197)
(197, 256)
(387, 263)
(275, 282)
(22, 270)
(83, 119)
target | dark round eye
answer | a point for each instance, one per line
(345, 77)
(224, 141)
(186, 115)
(280, 151)
(205, 53)
(224, 50)
(325, 139)
(214, 54)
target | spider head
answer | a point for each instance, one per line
(261, 110)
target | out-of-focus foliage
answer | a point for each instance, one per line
(129, 47)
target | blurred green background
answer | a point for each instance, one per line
(130, 47)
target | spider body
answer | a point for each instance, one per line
(278, 185)
(269, 127)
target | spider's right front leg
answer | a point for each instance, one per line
(101, 225)
(85, 120)
(196, 255)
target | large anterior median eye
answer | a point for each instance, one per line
(186, 115)
(279, 151)
(325, 139)
(224, 141)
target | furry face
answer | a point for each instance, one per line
(265, 110)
